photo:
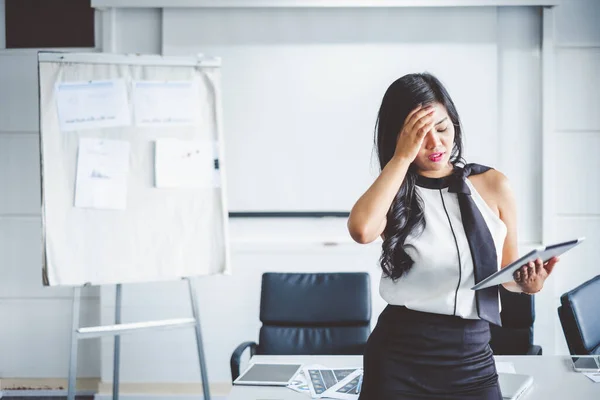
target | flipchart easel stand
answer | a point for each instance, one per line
(119, 328)
(48, 78)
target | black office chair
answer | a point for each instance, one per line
(311, 314)
(580, 318)
(515, 336)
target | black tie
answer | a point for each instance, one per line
(481, 243)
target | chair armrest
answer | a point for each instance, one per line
(534, 350)
(236, 357)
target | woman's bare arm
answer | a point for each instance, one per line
(508, 214)
(368, 216)
(529, 278)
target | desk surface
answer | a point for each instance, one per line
(553, 377)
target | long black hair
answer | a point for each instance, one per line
(405, 215)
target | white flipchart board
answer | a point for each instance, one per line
(163, 233)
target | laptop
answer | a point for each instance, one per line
(514, 385)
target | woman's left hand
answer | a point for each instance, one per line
(531, 277)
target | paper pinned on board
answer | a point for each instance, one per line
(92, 105)
(166, 103)
(102, 171)
(184, 163)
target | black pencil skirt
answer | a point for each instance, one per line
(418, 355)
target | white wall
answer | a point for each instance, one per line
(36, 320)
(39, 318)
(138, 31)
(577, 209)
(519, 119)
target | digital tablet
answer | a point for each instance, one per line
(545, 253)
(268, 374)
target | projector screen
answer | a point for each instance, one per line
(302, 87)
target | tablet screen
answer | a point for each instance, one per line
(269, 373)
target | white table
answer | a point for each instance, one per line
(553, 376)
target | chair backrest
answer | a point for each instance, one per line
(314, 313)
(580, 317)
(515, 336)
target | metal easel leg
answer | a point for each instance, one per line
(201, 359)
(117, 349)
(74, 343)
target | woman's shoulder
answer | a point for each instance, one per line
(491, 178)
(493, 186)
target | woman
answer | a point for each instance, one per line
(445, 226)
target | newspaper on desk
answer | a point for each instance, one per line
(319, 382)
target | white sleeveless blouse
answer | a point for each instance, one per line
(442, 275)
